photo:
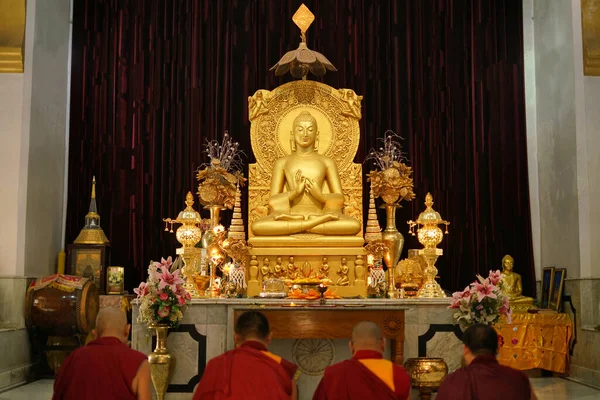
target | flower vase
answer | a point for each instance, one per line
(395, 242)
(161, 362)
(215, 216)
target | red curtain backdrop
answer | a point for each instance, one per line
(152, 80)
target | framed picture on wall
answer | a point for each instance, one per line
(557, 289)
(115, 280)
(547, 281)
(89, 261)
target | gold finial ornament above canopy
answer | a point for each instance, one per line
(302, 60)
(303, 18)
(92, 233)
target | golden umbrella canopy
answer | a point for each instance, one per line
(303, 60)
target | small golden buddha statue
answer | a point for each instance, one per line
(513, 286)
(299, 201)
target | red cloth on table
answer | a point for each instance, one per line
(104, 369)
(485, 379)
(361, 377)
(248, 372)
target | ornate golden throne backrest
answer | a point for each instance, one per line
(271, 115)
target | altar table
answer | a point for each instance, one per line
(413, 327)
(320, 322)
(536, 341)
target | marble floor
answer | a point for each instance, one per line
(545, 388)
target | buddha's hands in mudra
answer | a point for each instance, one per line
(314, 190)
(300, 182)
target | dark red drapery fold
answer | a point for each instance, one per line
(152, 80)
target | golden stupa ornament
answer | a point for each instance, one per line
(188, 234)
(302, 60)
(373, 231)
(92, 233)
(429, 235)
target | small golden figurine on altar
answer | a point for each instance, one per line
(410, 275)
(343, 273)
(265, 270)
(291, 269)
(324, 270)
(513, 286)
(279, 270)
(298, 202)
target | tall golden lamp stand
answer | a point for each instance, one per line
(429, 235)
(188, 234)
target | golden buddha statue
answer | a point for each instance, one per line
(306, 192)
(513, 286)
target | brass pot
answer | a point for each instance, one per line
(427, 374)
(161, 362)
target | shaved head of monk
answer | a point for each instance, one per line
(366, 335)
(252, 325)
(112, 322)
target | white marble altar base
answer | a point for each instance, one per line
(210, 322)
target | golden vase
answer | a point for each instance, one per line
(426, 374)
(395, 242)
(161, 362)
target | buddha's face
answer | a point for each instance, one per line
(508, 264)
(305, 133)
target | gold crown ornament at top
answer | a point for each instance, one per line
(92, 233)
(302, 60)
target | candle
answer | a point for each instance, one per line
(292, 304)
(61, 262)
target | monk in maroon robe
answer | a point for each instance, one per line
(366, 375)
(106, 368)
(249, 371)
(483, 377)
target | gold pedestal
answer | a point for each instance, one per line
(430, 289)
(191, 260)
(305, 257)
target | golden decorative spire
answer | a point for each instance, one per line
(236, 229)
(92, 233)
(302, 60)
(373, 231)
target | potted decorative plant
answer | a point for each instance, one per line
(162, 299)
(482, 302)
(392, 181)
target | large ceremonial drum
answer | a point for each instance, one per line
(62, 305)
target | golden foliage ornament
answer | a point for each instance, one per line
(220, 177)
(393, 180)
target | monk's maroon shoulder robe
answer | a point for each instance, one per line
(351, 379)
(104, 369)
(248, 372)
(485, 379)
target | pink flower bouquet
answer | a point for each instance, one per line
(162, 297)
(482, 302)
